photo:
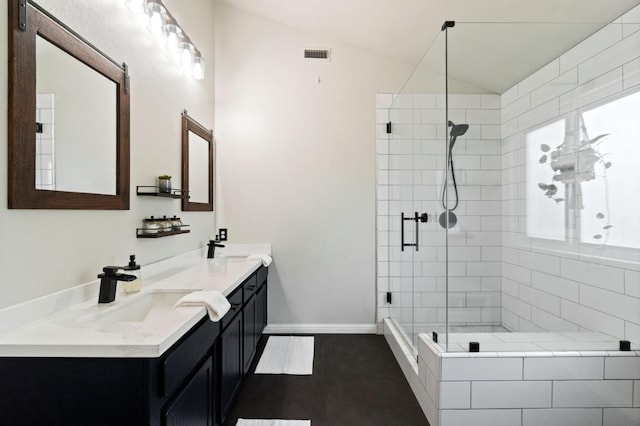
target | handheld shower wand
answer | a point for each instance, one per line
(456, 130)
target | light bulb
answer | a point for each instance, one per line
(173, 34)
(136, 6)
(186, 56)
(156, 16)
(198, 67)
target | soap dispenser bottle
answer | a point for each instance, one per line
(133, 269)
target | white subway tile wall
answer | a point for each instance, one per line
(481, 417)
(564, 368)
(621, 417)
(455, 395)
(532, 388)
(411, 164)
(511, 394)
(565, 284)
(45, 142)
(562, 417)
(593, 393)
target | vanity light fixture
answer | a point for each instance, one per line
(161, 23)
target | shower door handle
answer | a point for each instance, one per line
(402, 243)
(417, 219)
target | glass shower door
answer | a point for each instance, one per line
(417, 249)
(401, 212)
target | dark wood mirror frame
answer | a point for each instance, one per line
(26, 21)
(191, 125)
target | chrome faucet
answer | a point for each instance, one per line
(212, 247)
(108, 280)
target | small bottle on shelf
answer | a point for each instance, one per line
(176, 223)
(150, 226)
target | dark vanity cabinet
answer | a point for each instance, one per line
(249, 330)
(231, 371)
(241, 330)
(255, 314)
(193, 383)
(115, 391)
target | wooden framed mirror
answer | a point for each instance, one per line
(68, 117)
(197, 165)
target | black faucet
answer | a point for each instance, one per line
(212, 247)
(108, 280)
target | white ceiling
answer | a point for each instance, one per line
(493, 57)
(404, 29)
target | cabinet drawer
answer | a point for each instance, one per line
(235, 299)
(249, 287)
(261, 273)
(187, 354)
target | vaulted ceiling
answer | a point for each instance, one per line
(405, 29)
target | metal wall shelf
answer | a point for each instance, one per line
(154, 191)
(144, 233)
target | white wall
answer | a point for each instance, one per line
(572, 282)
(296, 163)
(48, 250)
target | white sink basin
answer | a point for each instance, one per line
(224, 260)
(232, 258)
(150, 306)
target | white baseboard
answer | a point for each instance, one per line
(321, 329)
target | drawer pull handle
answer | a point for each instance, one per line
(251, 287)
(234, 306)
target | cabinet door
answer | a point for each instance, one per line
(231, 364)
(261, 310)
(249, 334)
(193, 405)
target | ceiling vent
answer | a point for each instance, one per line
(322, 54)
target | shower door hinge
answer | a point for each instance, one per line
(448, 24)
(389, 128)
(389, 297)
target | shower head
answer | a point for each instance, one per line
(458, 129)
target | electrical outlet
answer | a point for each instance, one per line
(223, 234)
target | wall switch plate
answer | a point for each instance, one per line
(223, 234)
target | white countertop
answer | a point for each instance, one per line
(71, 323)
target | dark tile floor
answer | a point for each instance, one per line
(356, 381)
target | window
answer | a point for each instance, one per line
(586, 168)
(612, 199)
(544, 214)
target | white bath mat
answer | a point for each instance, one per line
(255, 422)
(287, 355)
